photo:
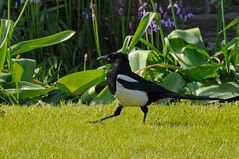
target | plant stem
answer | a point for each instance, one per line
(218, 28)
(147, 39)
(21, 13)
(85, 61)
(158, 19)
(9, 35)
(174, 14)
(95, 27)
(224, 45)
(9, 10)
(223, 22)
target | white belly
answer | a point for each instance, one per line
(130, 98)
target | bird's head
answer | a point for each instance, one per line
(115, 57)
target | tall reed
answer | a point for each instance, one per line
(95, 14)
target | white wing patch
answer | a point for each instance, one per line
(128, 97)
(126, 78)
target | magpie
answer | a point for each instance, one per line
(131, 90)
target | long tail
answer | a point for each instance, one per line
(187, 96)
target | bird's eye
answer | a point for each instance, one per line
(108, 58)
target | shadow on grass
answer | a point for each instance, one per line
(179, 124)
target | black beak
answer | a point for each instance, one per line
(102, 58)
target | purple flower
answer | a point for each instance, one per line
(166, 20)
(16, 4)
(166, 14)
(171, 23)
(163, 22)
(161, 10)
(190, 15)
(168, 23)
(154, 26)
(177, 5)
(187, 16)
(178, 9)
(142, 7)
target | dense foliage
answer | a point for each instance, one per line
(158, 49)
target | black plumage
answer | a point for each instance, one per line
(130, 89)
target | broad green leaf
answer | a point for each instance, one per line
(104, 97)
(178, 84)
(78, 83)
(193, 86)
(17, 72)
(189, 58)
(179, 40)
(190, 36)
(92, 92)
(138, 59)
(201, 72)
(225, 91)
(88, 95)
(174, 82)
(27, 89)
(192, 47)
(29, 45)
(142, 28)
(5, 31)
(181, 34)
(23, 69)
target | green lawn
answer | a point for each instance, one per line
(176, 131)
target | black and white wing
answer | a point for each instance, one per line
(136, 82)
(127, 95)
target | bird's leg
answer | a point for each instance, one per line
(145, 111)
(116, 113)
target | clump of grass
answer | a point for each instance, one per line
(178, 131)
